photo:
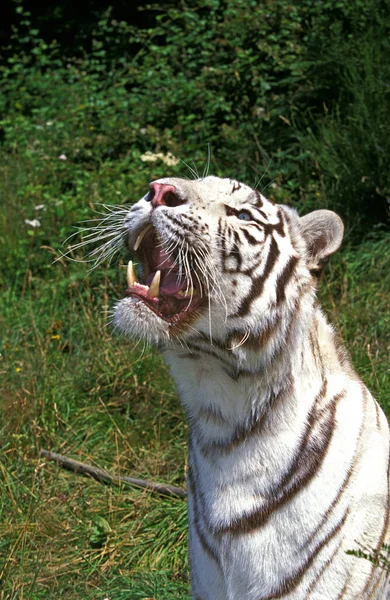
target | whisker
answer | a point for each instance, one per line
(241, 343)
(207, 166)
(264, 174)
(268, 184)
(191, 170)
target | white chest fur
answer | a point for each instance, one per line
(280, 478)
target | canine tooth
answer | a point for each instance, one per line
(187, 293)
(154, 288)
(130, 274)
(141, 236)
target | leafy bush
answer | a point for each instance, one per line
(261, 83)
(348, 138)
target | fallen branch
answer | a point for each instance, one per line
(106, 477)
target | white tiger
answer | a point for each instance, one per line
(288, 465)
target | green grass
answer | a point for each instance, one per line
(70, 387)
(355, 293)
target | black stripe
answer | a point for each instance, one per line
(292, 582)
(243, 433)
(219, 228)
(199, 505)
(324, 567)
(377, 412)
(284, 278)
(258, 282)
(345, 482)
(259, 225)
(330, 508)
(134, 208)
(250, 239)
(189, 355)
(382, 537)
(197, 526)
(279, 227)
(236, 186)
(197, 347)
(213, 414)
(263, 214)
(344, 589)
(236, 250)
(259, 201)
(308, 459)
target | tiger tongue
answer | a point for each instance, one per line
(170, 284)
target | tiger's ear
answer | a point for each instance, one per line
(323, 232)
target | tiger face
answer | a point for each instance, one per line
(217, 258)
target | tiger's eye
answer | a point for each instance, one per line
(244, 216)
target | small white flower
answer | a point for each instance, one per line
(48, 123)
(62, 157)
(149, 157)
(33, 222)
(259, 111)
(39, 207)
(168, 159)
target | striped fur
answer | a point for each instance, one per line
(288, 464)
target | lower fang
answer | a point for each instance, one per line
(154, 288)
(187, 293)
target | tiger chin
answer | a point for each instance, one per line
(288, 466)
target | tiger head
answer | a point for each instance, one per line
(216, 258)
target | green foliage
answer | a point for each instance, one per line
(261, 83)
(349, 140)
(264, 85)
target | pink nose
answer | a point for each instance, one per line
(164, 195)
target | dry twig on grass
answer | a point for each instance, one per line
(106, 477)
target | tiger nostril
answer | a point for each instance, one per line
(150, 195)
(163, 194)
(172, 199)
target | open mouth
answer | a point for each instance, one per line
(163, 287)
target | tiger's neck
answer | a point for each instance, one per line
(227, 392)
